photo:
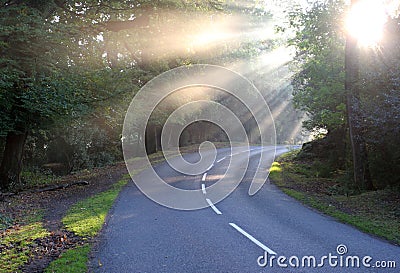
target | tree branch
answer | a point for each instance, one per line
(117, 26)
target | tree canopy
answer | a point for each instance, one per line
(319, 85)
(71, 67)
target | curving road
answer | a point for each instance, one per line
(268, 232)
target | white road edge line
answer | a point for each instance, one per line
(221, 159)
(209, 168)
(204, 177)
(254, 240)
(217, 211)
(203, 189)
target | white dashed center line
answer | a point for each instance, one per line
(221, 159)
(204, 177)
(203, 189)
(254, 240)
(217, 211)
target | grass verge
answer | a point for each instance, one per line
(22, 227)
(376, 212)
(85, 218)
(71, 261)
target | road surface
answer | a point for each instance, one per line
(268, 232)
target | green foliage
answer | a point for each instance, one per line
(5, 221)
(36, 178)
(87, 143)
(319, 86)
(34, 87)
(65, 66)
(73, 261)
(69, 69)
(53, 71)
(319, 82)
(52, 67)
(380, 106)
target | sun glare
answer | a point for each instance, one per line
(366, 21)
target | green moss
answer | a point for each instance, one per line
(25, 234)
(12, 259)
(19, 239)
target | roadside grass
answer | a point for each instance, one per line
(377, 213)
(72, 261)
(86, 219)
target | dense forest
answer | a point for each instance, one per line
(70, 68)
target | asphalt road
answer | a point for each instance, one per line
(237, 234)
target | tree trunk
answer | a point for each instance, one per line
(150, 140)
(11, 165)
(157, 139)
(362, 178)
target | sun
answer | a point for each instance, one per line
(365, 21)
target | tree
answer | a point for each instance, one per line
(362, 176)
(63, 59)
(343, 87)
(379, 106)
(319, 67)
(51, 70)
(33, 90)
(319, 81)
